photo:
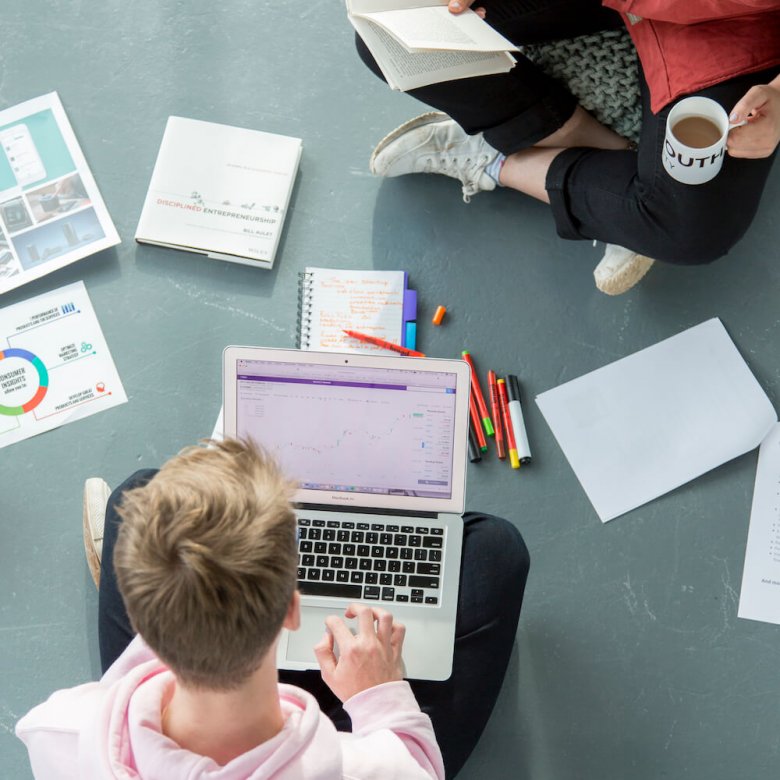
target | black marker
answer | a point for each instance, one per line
(475, 456)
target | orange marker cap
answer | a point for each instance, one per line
(439, 315)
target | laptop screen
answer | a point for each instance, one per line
(357, 429)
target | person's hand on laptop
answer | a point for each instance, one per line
(366, 659)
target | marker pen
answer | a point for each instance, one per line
(495, 408)
(476, 425)
(478, 397)
(518, 423)
(382, 343)
(510, 436)
(475, 456)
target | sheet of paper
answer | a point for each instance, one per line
(646, 424)
(51, 211)
(55, 367)
(759, 598)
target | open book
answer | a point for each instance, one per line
(419, 42)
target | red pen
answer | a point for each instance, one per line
(483, 412)
(495, 407)
(382, 343)
(475, 424)
(510, 436)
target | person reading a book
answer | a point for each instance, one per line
(200, 559)
(524, 130)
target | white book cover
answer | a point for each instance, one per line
(221, 191)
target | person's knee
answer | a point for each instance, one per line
(135, 480)
(520, 556)
(699, 248)
(367, 57)
(506, 544)
(698, 239)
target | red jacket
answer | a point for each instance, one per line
(686, 45)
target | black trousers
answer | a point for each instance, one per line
(619, 197)
(493, 575)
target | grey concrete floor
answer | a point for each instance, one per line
(630, 660)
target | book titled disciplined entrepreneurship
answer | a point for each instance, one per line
(220, 191)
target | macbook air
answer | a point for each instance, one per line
(377, 446)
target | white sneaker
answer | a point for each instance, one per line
(96, 494)
(620, 269)
(434, 143)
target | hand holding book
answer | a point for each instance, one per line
(419, 42)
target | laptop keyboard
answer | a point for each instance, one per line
(363, 561)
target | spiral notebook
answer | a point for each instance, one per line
(378, 303)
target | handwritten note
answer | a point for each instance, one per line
(366, 301)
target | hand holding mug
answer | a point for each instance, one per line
(695, 141)
(761, 108)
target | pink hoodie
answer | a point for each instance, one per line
(110, 730)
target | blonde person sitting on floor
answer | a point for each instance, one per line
(197, 573)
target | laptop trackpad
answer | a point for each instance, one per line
(300, 644)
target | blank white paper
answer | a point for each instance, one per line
(644, 425)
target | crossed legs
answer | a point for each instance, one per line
(597, 188)
(494, 570)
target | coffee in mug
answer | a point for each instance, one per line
(695, 142)
(696, 131)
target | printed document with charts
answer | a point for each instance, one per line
(55, 366)
(644, 425)
(419, 42)
(51, 211)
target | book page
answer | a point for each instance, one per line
(759, 598)
(374, 6)
(644, 425)
(369, 302)
(437, 28)
(405, 70)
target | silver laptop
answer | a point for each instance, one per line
(378, 448)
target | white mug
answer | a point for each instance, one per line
(698, 156)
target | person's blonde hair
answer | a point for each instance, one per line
(206, 561)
